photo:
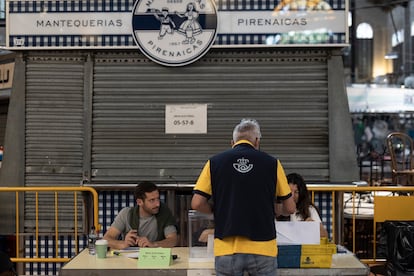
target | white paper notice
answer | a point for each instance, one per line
(185, 118)
(297, 232)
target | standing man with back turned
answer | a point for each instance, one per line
(244, 184)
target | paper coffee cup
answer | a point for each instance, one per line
(101, 248)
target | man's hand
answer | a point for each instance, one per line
(112, 235)
(204, 235)
(170, 241)
(144, 242)
(131, 238)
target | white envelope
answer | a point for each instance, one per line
(297, 232)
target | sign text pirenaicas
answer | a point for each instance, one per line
(174, 32)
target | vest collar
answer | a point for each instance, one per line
(243, 142)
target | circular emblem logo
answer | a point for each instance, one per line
(174, 32)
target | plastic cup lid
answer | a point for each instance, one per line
(102, 242)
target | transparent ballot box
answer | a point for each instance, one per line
(200, 236)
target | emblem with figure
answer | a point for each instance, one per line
(174, 33)
(243, 165)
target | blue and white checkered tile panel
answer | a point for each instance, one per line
(127, 41)
(126, 5)
(72, 40)
(71, 6)
(110, 203)
(47, 249)
(323, 201)
(228, 5)
(256, 39)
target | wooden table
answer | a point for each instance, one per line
(86, 265)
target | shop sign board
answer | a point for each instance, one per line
(377, 99)
(6, 75)
(174, 32)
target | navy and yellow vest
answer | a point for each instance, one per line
(243, 183)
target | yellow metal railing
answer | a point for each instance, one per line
(19, 191)
(339, 190)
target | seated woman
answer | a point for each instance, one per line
(305, 209)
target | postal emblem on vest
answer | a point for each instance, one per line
(243, 165)
(174, 32)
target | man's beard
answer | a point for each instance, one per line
(152, 211)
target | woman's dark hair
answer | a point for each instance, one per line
(304, 200)
(144, 187)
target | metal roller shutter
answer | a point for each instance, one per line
(54, 132)
(285, 90)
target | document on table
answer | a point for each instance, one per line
(130, 252)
